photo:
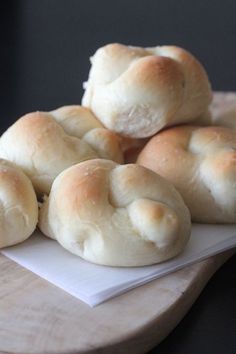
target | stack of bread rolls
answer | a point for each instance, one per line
(120, 178)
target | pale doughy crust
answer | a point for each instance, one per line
(136, 91)
(118, 215)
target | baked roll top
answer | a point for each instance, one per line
(201, 163)
(44, 144)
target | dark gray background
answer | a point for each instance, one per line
(45, 46)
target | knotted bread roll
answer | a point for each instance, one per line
(19, 207)
(118, 215)
(201, 163)
(43, 146)
(138, 91)
(80, 122)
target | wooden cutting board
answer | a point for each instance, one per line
(37, 317)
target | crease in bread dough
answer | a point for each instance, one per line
(43, 148)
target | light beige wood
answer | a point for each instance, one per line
(37, 317)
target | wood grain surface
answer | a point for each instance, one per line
(37, 317)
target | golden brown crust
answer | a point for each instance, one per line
(76, 120)
(39, 145)
(154, 70)
(201, 163)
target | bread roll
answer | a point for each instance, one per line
(132, 147)
(117, 215)
(42, 148)
(201, 163)
(80, 122)
(76, 120)
(138, 91)
(223, 109)
(19, 208)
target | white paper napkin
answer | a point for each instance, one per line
(94, 284)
